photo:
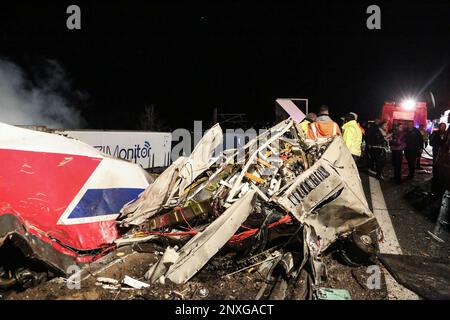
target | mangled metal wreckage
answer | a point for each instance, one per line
(277, 194)
(276, 179)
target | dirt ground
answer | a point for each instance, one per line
(208, 284)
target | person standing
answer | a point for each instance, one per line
(323, 128)
(413, 143)
(437, 140)
(397, 144)
(371, 132)
(378, 149)
(310, 118)
(360, 126)
(424, 134)
(440, 141)
(352, 135)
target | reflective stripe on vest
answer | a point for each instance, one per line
(314, 130)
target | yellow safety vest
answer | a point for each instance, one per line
(353, 137)
(305, 126)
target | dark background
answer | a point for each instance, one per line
(186, 58)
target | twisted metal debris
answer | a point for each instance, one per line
(277, 188)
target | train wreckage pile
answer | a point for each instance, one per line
(275, 204)
(275, 190)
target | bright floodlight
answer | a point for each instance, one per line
(409, 104)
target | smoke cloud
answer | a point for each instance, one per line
(37, 99)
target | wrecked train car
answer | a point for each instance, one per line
(59, 197)
(243, 196)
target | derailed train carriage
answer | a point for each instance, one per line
(59, 199)
(277, 194)
(277, 189)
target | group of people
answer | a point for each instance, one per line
(316, 128)
(403, 140)
(319, 127)
(408, 142)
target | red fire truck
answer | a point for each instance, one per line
(404, 112)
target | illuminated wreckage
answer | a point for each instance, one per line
(278, 201)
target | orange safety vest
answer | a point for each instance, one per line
(323, 129)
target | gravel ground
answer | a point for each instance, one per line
(204, 286)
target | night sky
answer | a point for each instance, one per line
(187, 58)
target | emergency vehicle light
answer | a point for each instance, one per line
(408, 104)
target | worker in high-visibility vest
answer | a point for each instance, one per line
(352, 135)
(323, 128)
(310, 118)
(356, 119)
